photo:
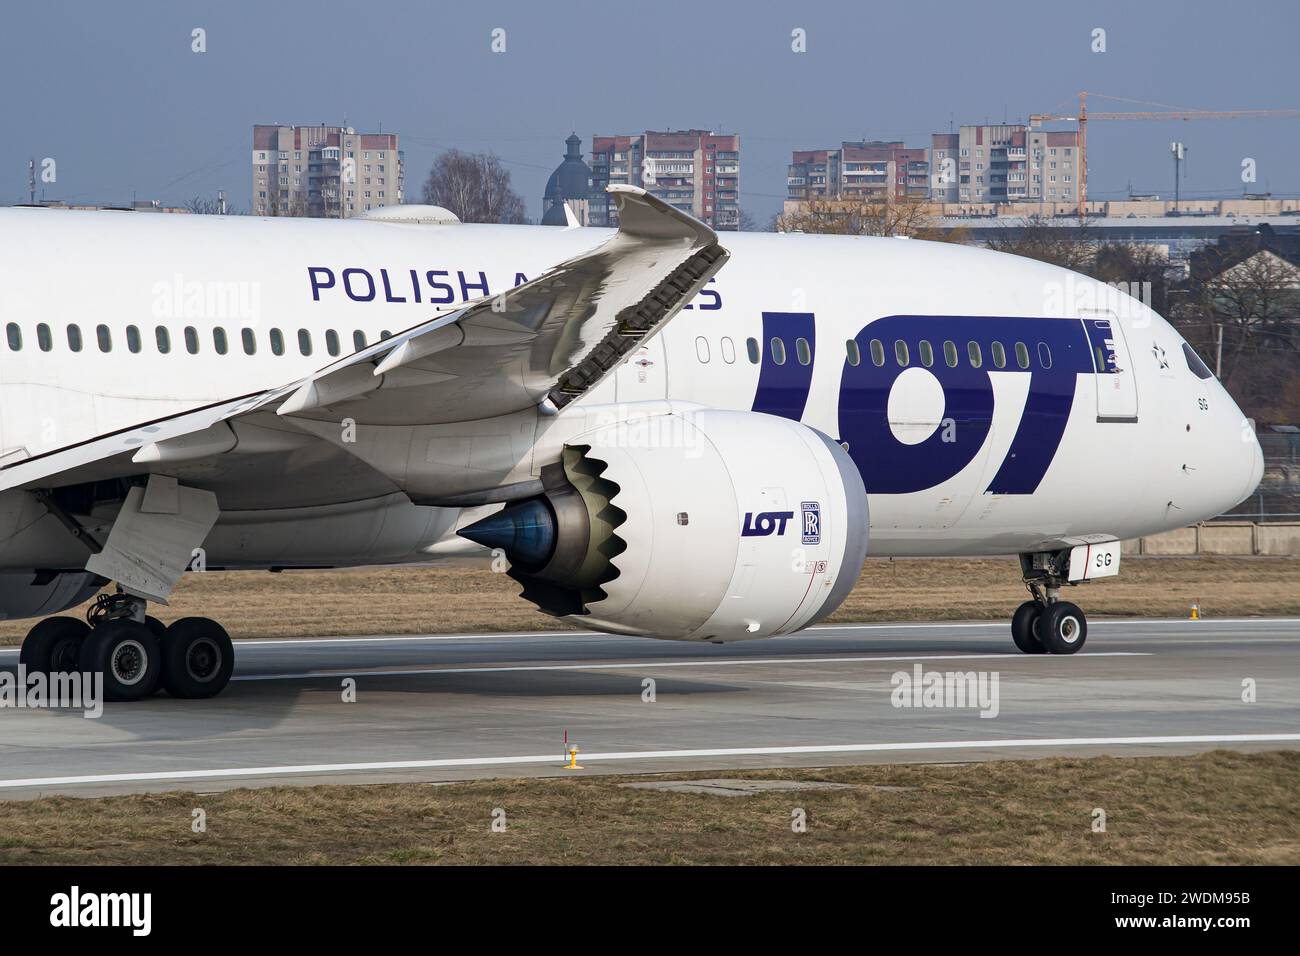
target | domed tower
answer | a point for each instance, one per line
(570, 183)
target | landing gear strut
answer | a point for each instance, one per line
(136, 653)
(1047, 624)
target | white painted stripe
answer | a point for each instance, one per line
(1104, 623)
(551, 635)
(651, 663)
(384, 639)
(1101, 624)
(632, 755)
(394, 639)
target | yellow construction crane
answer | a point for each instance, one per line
(1165, 112)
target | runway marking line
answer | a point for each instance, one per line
(553, 635)
(629, 665)
(381, 765)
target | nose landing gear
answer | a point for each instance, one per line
(1046, 624)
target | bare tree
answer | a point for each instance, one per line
(203, 206)
(866, 216)
(1251, 306)
(1135, 268)
(1037, 238)
(474, 186)
(749, 224)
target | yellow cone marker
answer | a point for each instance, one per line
(573, 758)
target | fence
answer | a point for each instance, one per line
(1277, 539)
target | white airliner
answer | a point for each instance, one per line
(656, 435)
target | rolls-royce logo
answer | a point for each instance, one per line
(812, 522)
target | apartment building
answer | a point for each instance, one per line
(1054, 167)
(872, 170)
(329, 172)
(697, 171)
(1003, 163)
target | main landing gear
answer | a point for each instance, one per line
(1046, 624)
(136, 653)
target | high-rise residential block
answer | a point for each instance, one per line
(324, 171)
(696, 171)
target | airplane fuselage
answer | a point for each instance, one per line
(992, 404)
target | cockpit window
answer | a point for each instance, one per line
(1194, 362)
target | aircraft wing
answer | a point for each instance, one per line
(549, 339)
(546, 341)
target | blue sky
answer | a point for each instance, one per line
(114, 94)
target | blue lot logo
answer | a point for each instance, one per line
(764, 523)
(812, 522)
(1056, 352)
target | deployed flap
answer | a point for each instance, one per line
(551, 338)
(154, 537)
(546, 341)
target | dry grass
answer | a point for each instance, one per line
(424, 600)
(990, 588)
(1213, 808)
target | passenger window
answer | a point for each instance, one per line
(161, 336)
(728, 350)
(1022, 355)
(701, 348)
(332, 342)
(999, 354)
(191, 340)
(249, 340)
(74, 338)
(219, 340)
(304, 342)
(803, 351)
(358, 340)
(133, 338)
(751, 348)
(104, 337)
(927, 352)
(14, 335)
(1044, 355)
(973, 353)
(277, 342)
(855, 353)
(950, 354)
(1199, 368)
(778, 351)
(877, 353)
(900, 353)
(43, 337)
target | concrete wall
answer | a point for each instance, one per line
(1222, 537)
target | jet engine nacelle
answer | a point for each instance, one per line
(692, 525)
(33, 594)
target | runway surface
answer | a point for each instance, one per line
(449, 707)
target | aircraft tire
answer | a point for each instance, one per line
(1062, 628)
(1022, 628)
(198, 658)
(127, 654)
(53, 646)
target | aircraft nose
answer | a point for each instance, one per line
(1256, 466)
(1243, 459)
